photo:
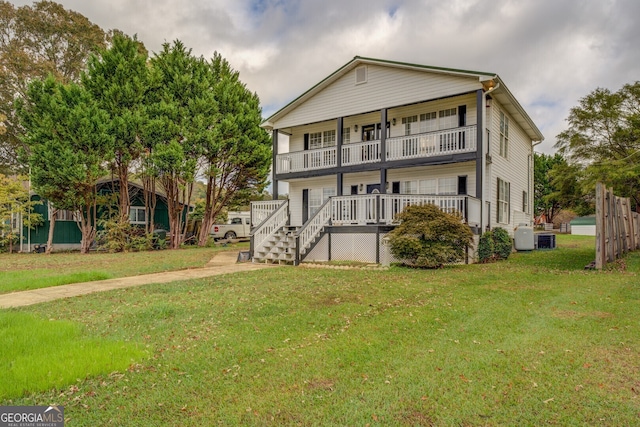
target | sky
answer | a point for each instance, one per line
(549, 53)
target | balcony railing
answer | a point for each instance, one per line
(383, 208)
(429, 144)
(452, 141)
(321, 158)
(360, 153)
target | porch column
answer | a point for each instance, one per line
(339, 142)
(339, 155)
(480, 107)
(274, 182)
(383, 150)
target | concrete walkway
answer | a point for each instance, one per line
(221, 263)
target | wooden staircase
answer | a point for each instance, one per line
(280, 248)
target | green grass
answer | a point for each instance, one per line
(38, 354)
(19, 272)
(534, 340)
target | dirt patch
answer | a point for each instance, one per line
(572, 314)
(322, 384)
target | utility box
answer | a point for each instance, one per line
(523, 239)
(545, 241)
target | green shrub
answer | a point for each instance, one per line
(502, 243)
(486, 248)
(429, 238)
(494, 245)
(116, 236)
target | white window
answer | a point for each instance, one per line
(504, 135)
(409, 127)
(409, 187)
(447, 185)
(429, 122)
(448, 118)
(317, 197)
(503, 201)
(315, 140)
(64, 215)
(137, 215)
(329, 138)
(428, 186)
(346, 135)
(15, 221)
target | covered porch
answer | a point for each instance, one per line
(273, 240)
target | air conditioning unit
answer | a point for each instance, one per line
(545, 241)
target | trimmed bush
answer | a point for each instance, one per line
(486, 248)
(502, 243)
(429, 238)
(494, 245)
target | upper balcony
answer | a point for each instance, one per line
(417, 146)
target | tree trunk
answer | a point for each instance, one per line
(52, 226)
(125, 203)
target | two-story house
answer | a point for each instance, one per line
(376, 136)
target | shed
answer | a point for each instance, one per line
(584, 225)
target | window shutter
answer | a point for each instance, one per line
(305, 205)
(306, 141)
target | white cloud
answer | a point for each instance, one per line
(550, 53)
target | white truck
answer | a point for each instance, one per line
(238, 226)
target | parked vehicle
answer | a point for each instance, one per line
(238, 226)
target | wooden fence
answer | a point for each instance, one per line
(617, 227)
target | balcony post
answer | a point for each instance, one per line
(480, 107)
(383, 150)
(339, 142)
(383, 135)
(339, 156)
(275, 164)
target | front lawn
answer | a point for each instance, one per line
(534, 340)
(20, 272)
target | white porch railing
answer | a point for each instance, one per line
(451, 141)
(321, 158)
(262, 209)
(383, 208)
(313, 227)
(361, 152)
(278, 219)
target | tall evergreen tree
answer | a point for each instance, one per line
(182, 110)
(68, 139)
(118, 80)
(238, 152)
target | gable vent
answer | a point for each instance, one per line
(361, 75)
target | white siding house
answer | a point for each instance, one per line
(376, 136)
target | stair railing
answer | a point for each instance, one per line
(312, 228)
(269, 227)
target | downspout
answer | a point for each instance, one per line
(485, 147)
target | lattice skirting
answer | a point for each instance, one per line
(362, 244)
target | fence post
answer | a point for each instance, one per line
(600, 227)
(610, 228)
